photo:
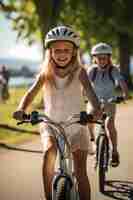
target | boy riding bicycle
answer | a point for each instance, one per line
(104, 77)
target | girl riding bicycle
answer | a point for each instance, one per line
(105, 77)
(61, 77)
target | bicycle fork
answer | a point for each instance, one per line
(64, 173)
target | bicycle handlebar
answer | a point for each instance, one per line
(115, 100)
(35, 118)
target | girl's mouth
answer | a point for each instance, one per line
(61, 67)
(62, 60)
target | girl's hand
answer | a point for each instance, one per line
(19, 115)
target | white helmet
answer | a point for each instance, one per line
(62, 33)
(101, 48)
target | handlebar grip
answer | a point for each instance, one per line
(120, 99)
(104, 116)
(26, 116)
(85, 118)
(117, 99)
(34, 117)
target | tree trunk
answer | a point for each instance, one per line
(124, 55)
(48, 12)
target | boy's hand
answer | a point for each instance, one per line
(97, 114)
(127, 97)
(19, 115)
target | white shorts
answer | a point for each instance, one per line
(78, 137)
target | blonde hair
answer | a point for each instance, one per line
(47, 72)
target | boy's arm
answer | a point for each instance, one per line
(121, 82)
(30, 94)
(89, 90)
(124, 88)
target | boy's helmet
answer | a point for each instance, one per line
(101, 48)
(62, 33)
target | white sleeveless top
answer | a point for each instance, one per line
(62, 101)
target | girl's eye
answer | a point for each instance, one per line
(60, 51)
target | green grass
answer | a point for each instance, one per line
(131, 93)
(6, 111)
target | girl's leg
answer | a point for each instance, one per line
(80, 165)
(48, 167)
(92, 143)
(91, 129)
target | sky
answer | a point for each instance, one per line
(10, 47)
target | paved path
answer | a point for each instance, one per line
(20, 172)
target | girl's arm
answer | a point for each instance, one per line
(89, 90)
(31, 93)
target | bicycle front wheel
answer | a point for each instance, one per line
(63, 189)
(103, 157)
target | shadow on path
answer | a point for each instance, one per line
(11, 128)
(14, 148)
(117, 189)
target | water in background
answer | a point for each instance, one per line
(20, 81)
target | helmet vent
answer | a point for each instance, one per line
(65, 31)
(50, 36)
(103, 47)
(53, 32)
(70, 33)
(57, 32)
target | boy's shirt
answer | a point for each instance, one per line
(103, 85)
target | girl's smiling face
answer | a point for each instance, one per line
(62, 52)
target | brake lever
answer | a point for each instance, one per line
(22, 122)
(34, 122)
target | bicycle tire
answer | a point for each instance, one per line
(63, 189)
(103, 157)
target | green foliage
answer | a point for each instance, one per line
(7, 110)
(24, 19)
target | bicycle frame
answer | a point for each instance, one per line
(102, 135)
(102, 155)
(64, 168)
